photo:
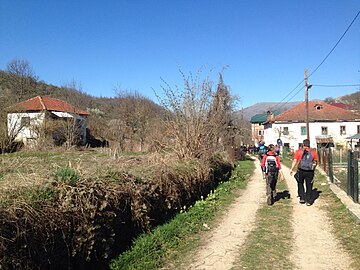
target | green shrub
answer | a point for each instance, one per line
(67, 175)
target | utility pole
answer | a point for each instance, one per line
(307, 104)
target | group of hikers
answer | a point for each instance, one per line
(305, 161)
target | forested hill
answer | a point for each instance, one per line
(14, 89)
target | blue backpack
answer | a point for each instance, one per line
(262, 150)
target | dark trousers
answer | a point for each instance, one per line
(271, 180)
(308, 178)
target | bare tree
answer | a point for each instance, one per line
(132, 120)
(194, 121)
(21, 68)
(221, 116)
(24, 77)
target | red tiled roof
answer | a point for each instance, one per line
(326, 113)
(40, 103)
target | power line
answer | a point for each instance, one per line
(283, 104)
(322, 62)
(335, 85)
(337, 43)
(280, 102)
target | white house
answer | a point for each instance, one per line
(327, 125)
(27, 118)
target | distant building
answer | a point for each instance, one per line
(328, 124)
(40, 116)
(257, 127)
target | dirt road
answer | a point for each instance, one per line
(314, 246)
(223, 244)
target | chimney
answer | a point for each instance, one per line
(270, 116)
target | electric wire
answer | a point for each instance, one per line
(335, 85)
(318, 66)
(337, 43)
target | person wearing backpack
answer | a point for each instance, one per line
(271, 166)
(262, 150)
(306, 160)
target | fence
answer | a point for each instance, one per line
(342, 168)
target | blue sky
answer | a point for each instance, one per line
(266, 45)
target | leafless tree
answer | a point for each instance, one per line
(197, 117)
(221, 116)
(24, 77)
(132, 120)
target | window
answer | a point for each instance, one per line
(25, 121)
(324, 131)
(358, 129)
(303, 130)
(342, 130)
(261, 132)
(318, 107)
(286, 131)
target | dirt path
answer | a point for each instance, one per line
(315, 247)
(223, 243)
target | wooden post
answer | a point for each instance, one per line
(307, 104)
(331, 170)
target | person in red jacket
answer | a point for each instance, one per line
(306, 160)
(271, 166)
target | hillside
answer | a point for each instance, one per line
(263, 107)
(134, 113)
(351, 99)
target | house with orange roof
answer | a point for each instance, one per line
(41, 116)
(328, 125)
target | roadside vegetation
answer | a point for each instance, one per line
(269, 245)
(345, 225)
(167, 245)
(76, 207)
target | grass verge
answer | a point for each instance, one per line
(268, 246)
(168, 243)
(344, 224)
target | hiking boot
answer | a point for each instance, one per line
(308, 204)
(302, 201)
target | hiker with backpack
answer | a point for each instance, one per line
(271, 166)
(306, 160)
(262, 150)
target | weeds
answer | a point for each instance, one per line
(67, 175)
(168, 243)
(78, 221)
(345, 225)
(39, 195)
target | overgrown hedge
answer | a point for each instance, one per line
(83, 223)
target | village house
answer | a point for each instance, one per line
(328, 125)
(40, 116)
(257, 127)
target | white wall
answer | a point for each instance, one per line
(294, 137)
(24, 133)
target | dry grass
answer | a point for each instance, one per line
(25, 170)
(85, 205)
